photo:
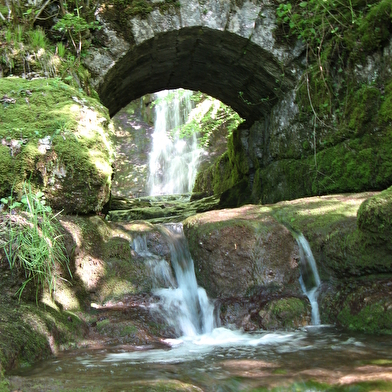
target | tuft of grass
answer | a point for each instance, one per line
(61, 49)
(38, 39)
(35, 244)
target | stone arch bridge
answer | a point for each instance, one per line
(229, 49)
(224, 48)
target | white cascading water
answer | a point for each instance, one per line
(173, 161)
(184, 304)
(186, 308)
(310, 280)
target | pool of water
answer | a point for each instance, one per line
(222, 360)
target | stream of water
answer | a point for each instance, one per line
(310, 279)
(206, 356)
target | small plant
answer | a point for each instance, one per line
(8, 36)
(34, 243)
(61, 49)
(75, 26)
(19, 33)
(38, 39)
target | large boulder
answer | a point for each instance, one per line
(58, 139)
(249, 262)
(237, 252)
(375, 217)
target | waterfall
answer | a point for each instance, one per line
(173, 161)
(183, 304)
(310, 280)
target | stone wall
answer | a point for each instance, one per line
(284, 156)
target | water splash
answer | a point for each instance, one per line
(309, 280)
(173, 161)
(183, 304)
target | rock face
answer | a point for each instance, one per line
(284, 156)
(225, 49)
(249, 261)
(132, 142)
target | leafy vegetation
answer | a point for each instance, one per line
(43, 39)
(207, 117)
(338, 35)
(34, 243)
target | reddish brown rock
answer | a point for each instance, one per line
(241, 252)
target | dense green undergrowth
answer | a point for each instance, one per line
(338, 36)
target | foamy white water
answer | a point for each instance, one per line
(184, 305)
(173, 161)
(309, 267)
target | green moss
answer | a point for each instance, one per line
(228, 175)
(363, 108)
(102, 325)
(354, 165)
(374, 29)
(27, 330)
(128, 330)
(374, 318)
(375, 217)
(7, 170)
(285, 313)
(385, 110)
(76, 128)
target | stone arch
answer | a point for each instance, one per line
(218, 47)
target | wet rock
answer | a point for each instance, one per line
(359, 305)
(242, 251)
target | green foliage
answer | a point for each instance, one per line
(35, 244)
(208, 117)
(337, 35)
(38, 39)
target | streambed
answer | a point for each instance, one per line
(222, 360)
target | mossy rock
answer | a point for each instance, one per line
(375, 217)
(363, 305)
(230, 168)
(58, 139)
(330, 225)
(287, 313)
(355, 165)
(27, 331)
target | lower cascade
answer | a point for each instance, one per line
(309, 280)
(204, 357)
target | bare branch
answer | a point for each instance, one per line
(40, 10)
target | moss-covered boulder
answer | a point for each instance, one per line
(287, 313)
(363, 305)
(58, 139)
(375, 217)
(341, 247)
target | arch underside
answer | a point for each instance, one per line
(219, 63)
